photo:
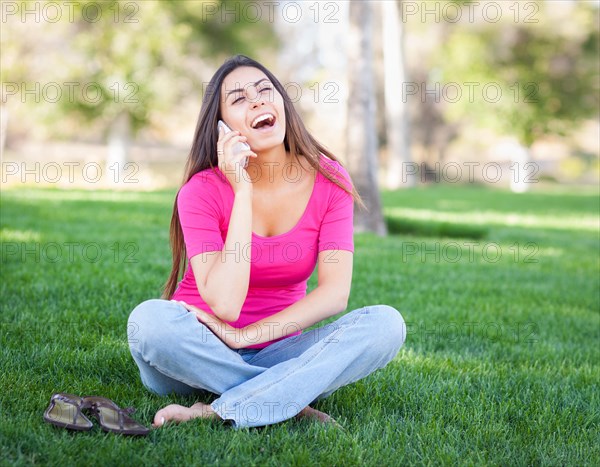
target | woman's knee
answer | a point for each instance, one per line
(389, 326)
(146, 321)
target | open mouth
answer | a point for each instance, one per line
(263, 121)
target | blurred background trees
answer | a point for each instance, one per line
(121, 63)
(452, 83)
(548, 68)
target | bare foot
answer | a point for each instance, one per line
(179, 413)
(314, 414)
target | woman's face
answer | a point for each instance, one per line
(251, 104)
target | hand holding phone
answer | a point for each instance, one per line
(237, 147)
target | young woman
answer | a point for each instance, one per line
(252, 237)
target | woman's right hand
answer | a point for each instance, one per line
(231, 163)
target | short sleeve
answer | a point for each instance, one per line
(337, 228)
(199, 216)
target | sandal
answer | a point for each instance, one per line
(65, 411)
(112, 418)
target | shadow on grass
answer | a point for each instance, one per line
(400, 226)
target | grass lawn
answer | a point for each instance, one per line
(501, 366)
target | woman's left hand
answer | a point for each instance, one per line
(232, 337)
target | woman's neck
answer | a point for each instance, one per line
(269, 170)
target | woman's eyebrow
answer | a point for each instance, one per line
(241, 90)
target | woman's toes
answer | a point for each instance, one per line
(170, 412)
(158, 421)
(179, 413)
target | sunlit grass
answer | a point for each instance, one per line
(484, 217)
(52, 194)
(8, 235)
(501, 364)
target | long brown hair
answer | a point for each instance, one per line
(203, 154)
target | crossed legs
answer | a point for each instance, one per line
(177, 354)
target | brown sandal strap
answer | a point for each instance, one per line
(122, 412)
(95, 404)
(64, 405)
(64, 398)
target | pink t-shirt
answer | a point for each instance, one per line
(281, 265)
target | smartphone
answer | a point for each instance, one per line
(238, 147)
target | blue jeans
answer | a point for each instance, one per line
(177, 354)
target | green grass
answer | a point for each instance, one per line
(500, 367)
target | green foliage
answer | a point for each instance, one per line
(224, 27)
(137, 58)
(500, 366)
(140, 56)
(547, 72)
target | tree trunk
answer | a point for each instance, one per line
(361, 136)
(520, 167)
(3, 127)
(119, 137)
(396, 110)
